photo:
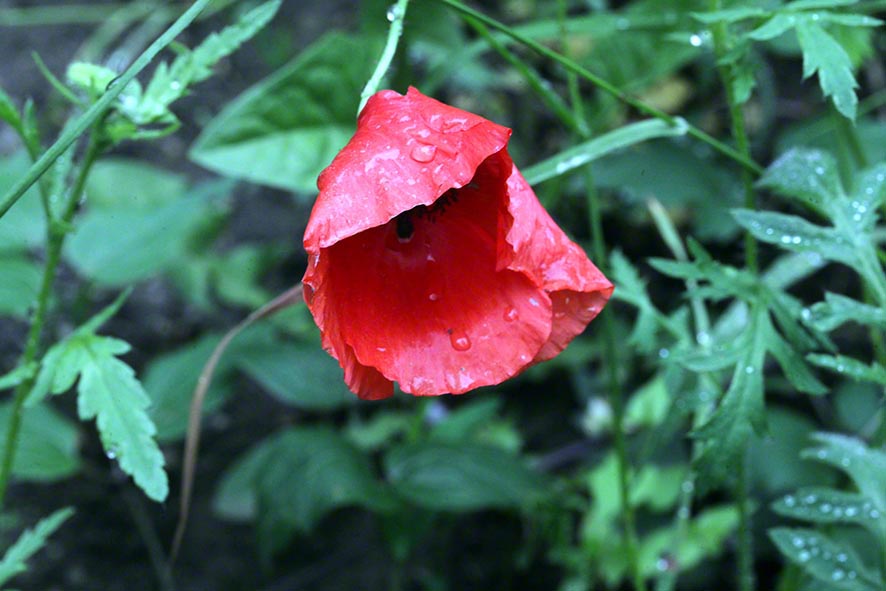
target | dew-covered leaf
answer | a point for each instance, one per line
(29, 543)
(808, 175)
(823, 55)
(825, 559)
(838, 309)
(850, 367)
(794, 233)
(826, 505)
(866, 466)
(461, 477)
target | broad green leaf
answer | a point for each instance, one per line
(299, 374)
(118, 246)
(125, 183)
(377, 431)
(478, 421)
(866, 466)
(19, 284)
(853, 368)
(461, 477)
(837, 310)
(826, 505)
(284, 130)
(47, 449)
(29, 543)
(824, 559)
(170, 380)
(648, 406)
(808, 175)
(110, 393)
(823, 55)
(293, 478)
(598, 147)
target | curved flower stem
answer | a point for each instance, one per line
(396, 14)
(88, 119)
(288, 298)
(56, 230)
(722, 43)
(605, 85)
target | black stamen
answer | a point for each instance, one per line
(405, 228)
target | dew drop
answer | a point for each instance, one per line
(790, 501)
(459, 341)
(803, 556)
(393, 13)
(695, 40)
(838, 575)
(111, 453)
(664, 353)
(434, 297)
(423, 153)
(511, 314)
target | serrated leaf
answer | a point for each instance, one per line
(600, 146)
(824, 559)
(461, 477)
(779, 24)
(726, 433)
(17, 375)
(808, 175)
(823, 55)
(29, 543)
(729, 15)
(838, 309)
(171, 82)
(261, 137)
(853, 368)
(794, 233)
(793, 365)
(110, 393)
(90, 78)
(47, 449)
(866, 466)
(827, 505)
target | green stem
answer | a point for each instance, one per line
(722, 46)
(606, 86)
(88, 119)
(396, 14)
(56, 233)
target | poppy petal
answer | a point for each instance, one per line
(407, 151)
(536, 245)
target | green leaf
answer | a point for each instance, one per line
(461, 477)
(778, 25)
(826, 505)
(295, 477)
(17, 375)
(170, 380)
(110, 393)
(299, 374)
(9, 112)
(824, 559)
(171, 82)
(93, 79)
(837, 310)
(866, 466)
(284, 130)
(126, 183)
(23, 227)
(598, 147)
(794, 233)
(729, 15)
(850, 367)
(118, 246)
(18, 289)
(29, 543)
(48, 442)
(726, 433)
(810, 176)
(822, 54)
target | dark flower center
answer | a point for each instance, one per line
(405, 223)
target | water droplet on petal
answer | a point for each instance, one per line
(434, 297)
(459, 341)
(423, 153)
(511, 314)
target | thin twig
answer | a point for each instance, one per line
(192, 440)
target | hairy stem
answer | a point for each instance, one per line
(56, 233)
(396, 14)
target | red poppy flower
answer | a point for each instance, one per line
(430, 260)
